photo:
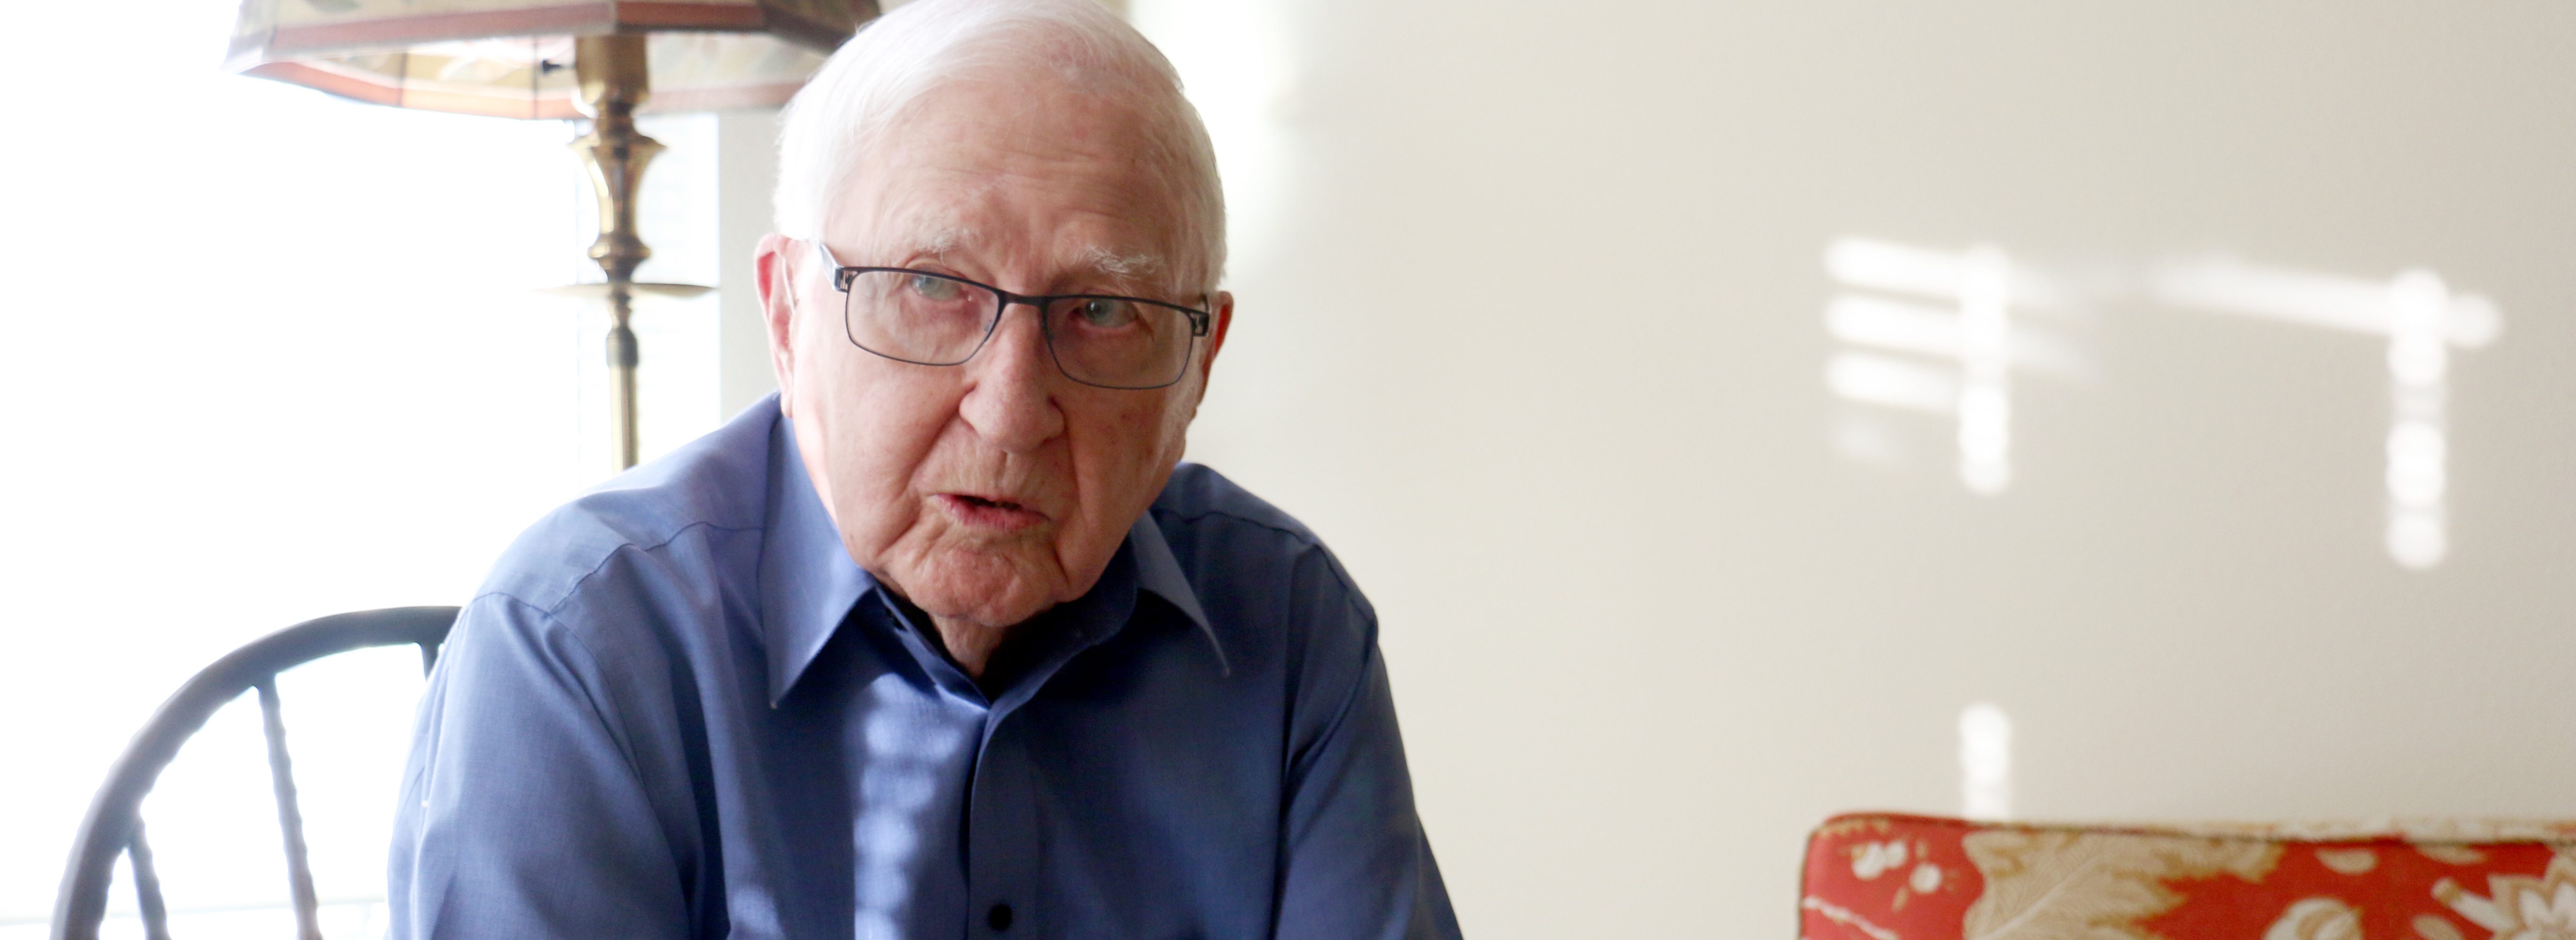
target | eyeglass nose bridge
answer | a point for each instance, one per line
(1046, 330)
(1199, 321)
(1199, 324)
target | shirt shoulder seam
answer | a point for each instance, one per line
(1350, 590)
(1305, 537)
(554, 609)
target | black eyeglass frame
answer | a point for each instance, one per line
(845, 275)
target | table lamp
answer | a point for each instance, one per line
(607, 60)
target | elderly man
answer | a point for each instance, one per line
(941, 642)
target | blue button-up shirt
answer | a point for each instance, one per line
(679, 709)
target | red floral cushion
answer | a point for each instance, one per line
(1891, 877)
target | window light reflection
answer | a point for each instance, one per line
(1967, 328)
(2420, 316)
(1985, 762)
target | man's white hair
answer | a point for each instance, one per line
(896, 60)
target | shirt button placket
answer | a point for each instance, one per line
(1002, 841)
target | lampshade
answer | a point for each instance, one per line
(514, 58)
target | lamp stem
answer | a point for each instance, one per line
(611, 71)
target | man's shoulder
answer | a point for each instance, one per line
(1199, 497)
(1221, 532)
(1204, 496)
(666, 516)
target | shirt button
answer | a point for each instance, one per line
(999, 917)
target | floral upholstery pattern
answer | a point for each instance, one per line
(1895, 877)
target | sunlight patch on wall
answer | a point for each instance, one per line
(1944, 333)
(2419, 316)
(1949, 348)
(1985, 762)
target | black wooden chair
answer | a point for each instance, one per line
(115, 825)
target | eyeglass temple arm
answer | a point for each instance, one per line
(831, 265)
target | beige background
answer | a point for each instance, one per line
(1532, 333)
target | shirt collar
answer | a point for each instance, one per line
(808, 583)
(1159, 572)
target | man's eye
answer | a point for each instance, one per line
(934, 288)
(1106, 314)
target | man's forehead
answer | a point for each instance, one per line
(1028, 157)
(954, 216)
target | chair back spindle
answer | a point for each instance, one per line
(290, 818)
(147, 887)
(114, 825)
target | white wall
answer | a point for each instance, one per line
(747, 162)
(1532, 331)
(1533, 334)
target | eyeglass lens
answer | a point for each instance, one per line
(932, 320)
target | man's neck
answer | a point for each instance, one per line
(970, 645)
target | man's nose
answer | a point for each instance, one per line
(1012, 402)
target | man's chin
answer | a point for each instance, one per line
(983, 589)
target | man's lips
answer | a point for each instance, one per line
(988, 512)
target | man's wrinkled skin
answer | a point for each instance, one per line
(987, 492)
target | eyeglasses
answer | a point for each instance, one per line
(941, 320)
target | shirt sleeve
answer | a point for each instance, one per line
(1356, 863)
(523, 812)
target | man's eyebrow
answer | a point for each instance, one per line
(933, 239)
(1108, 263)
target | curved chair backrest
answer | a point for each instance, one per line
(115, 826)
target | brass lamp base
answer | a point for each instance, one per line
(610, 70)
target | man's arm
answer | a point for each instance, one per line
(1356, 863)
(523, 811)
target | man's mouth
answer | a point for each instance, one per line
(986, 512)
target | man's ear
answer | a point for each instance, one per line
(1223, 308)
(775, 278)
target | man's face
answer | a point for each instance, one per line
(991, 490)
